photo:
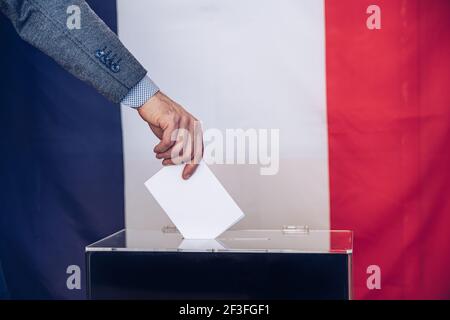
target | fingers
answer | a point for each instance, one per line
(179, 137)
(174, 153)
(198, 142)
(189, 170)
(181, 142)
(197, 151)
(167, 140)
(176, 128)
(186, 153)
(188, 149)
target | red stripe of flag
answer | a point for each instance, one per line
(388, 94)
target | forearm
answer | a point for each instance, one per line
(92, 53)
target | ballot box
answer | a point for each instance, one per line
(288, 263)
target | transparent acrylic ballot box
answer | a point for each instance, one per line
(289, 263)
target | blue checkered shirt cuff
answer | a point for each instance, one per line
(140, 93)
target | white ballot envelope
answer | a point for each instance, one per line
(200, 207)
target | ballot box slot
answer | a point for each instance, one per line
(295, 230)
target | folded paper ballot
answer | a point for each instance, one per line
(200, 207)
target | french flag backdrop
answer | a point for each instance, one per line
(364, 119)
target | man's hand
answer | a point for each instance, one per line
(180, 133)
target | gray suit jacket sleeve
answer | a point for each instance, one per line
(92, 53)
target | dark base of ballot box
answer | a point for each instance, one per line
(211, 273)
